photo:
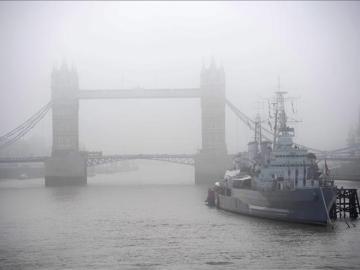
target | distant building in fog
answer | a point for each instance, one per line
(354, 134)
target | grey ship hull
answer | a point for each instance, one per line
(302, 205)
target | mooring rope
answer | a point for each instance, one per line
(326, 209)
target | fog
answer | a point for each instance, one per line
(59, 210)
(312, 47)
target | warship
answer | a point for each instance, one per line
(281, 181)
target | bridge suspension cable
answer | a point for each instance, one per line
(248, 121)
(20, 131)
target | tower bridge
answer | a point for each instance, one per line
(68, 165)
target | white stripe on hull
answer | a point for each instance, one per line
(263, 209)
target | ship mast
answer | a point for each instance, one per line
(275, 126)
(280, 115)
(258, 135)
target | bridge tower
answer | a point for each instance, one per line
(66, 165)
(212, 160)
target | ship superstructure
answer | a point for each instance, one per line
(286, 166)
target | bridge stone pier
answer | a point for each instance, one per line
(66, 166)
(212, 160)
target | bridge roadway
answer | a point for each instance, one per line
(186, 159)
(139, 93)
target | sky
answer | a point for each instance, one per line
(313, 47)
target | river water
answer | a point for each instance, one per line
(155, 218)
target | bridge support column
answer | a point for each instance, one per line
(212, 161)
(68, 169)
(66, 166)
